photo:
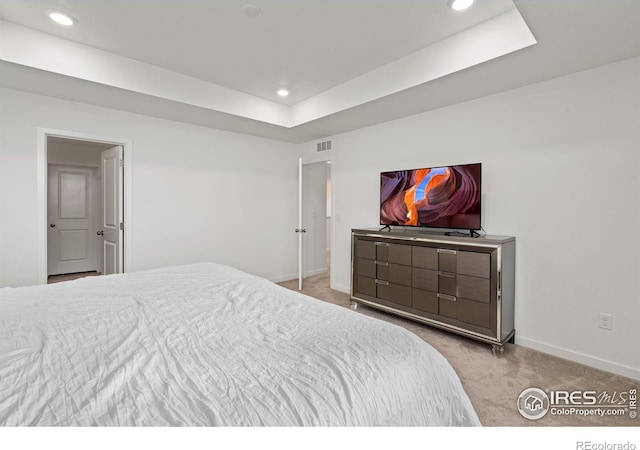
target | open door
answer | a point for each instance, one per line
(112, 222)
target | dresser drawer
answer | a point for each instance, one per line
(400, 254)
(475, 313)
(366, 267)
(393, 253)
(382, 251)
(365, 249)
(447, 283)
(366, 286)
(396, 293)
(474, 288)
(447, 306)
(394, 273)
(425, 279)
(399, 274)
(426, 301)
(474, 264)
(447, 260)
(425, 257)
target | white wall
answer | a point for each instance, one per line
(198, 194)
(561, 166)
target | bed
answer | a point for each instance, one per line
(209, 345)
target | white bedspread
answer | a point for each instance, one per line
(206, 344)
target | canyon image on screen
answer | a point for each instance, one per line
(438, 197)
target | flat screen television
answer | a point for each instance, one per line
(435, 197)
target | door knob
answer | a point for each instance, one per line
(100, 233)
(52, 225)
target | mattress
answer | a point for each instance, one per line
(209, 345)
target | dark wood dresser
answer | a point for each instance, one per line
(461, 284)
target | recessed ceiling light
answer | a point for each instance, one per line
(460, 5)
(282, 92)
(62, 19)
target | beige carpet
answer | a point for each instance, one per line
(494, 384)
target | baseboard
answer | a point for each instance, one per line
(313, 273)
(295, 276)
(283, 278)
(598, 363)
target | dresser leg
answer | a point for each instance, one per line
(498, 350)
(353, 305)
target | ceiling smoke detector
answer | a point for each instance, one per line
(251, 11)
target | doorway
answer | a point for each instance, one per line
(75, 209)
(316, 219)
(74, 206)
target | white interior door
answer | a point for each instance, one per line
(71, 239)
(112, 225)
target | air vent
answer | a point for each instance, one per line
(324, 146)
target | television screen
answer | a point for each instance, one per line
(438, 197)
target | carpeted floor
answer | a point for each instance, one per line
(494, 384)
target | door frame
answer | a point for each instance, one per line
(42, 186)
(300, 223)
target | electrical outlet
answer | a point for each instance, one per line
(605, 321)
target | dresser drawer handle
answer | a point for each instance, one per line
(446, 250)
(384, 283)
(447, 297)
(446, 274)
(382, 244)
(382, 263)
